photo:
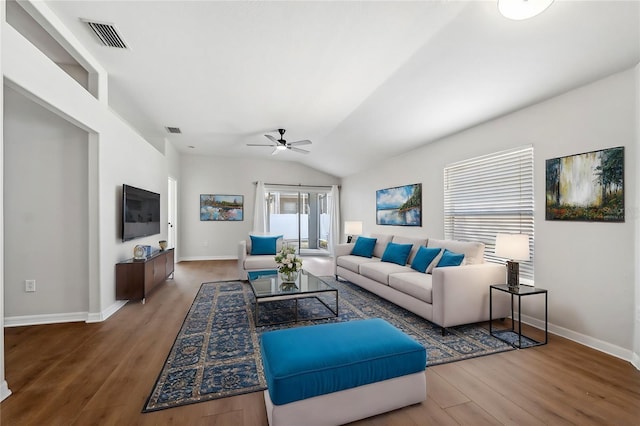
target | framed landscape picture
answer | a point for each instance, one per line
(221, 207)
(401, 205)
(586, 187)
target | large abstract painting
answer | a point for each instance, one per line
(401, 205)
(586, 187)
(221, 207)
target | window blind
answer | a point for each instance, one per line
(488, 195)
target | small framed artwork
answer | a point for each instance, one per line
(586, 187)
(221, 207)
(401, 205)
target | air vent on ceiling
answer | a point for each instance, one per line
(106, 33)
(175, 130)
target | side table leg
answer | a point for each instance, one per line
(490, 311)
(546, 322)
(519, 322)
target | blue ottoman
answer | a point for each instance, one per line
(340, 372)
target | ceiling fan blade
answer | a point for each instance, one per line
(301, 151)
(303, 142)
(259, 144)
(271, 138)
(275, 151)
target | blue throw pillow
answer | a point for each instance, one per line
(364, 247)
(397, 253)
(450, 258)
(424, 257)
(264, 244)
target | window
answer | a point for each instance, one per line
(488, 195)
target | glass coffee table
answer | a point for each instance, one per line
(268, 287)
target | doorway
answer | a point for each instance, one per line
(172, 207)
(302, 217)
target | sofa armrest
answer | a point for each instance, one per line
(242, 255)
(340, 250)
(460, 294)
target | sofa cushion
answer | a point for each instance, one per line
(381, 243)
(397, 253)
(266, 261)
(424, 257)
(363, 247)
(417, 243)
(413, 283)
(450, 258)
(379, 271)
(264, 244)
(473, 251)
(352, 263)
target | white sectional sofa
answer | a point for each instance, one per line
(447, 296)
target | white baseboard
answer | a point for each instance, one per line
(89, 317)
(194, 258)
(101, 316)
(583, 339)
(4, 390)
(635, 360)
(19, 321)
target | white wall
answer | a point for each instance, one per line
(231, 176)
(588, 268)
(4, 387)
(636, 347)
(46, 213)
(116, 154)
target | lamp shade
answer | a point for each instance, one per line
(512, 246)
(522, 9)
(353, 228)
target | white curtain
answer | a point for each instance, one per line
(334, 210)
(260, 210)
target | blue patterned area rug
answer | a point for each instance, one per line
(217, 354)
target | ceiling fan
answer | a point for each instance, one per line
(281, 144)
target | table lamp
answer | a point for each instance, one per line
(516, 248)
(351, 229)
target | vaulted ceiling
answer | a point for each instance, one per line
(364, 80)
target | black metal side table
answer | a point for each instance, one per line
(509, 335)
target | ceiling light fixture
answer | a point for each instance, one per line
(522, 9)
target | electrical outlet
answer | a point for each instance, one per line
(30, 286)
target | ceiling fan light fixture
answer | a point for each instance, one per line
(281, 147)
(519, 10)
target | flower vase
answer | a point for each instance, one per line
(289, 277)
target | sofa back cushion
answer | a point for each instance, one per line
(397, 253)
(381, 243)
(473, 251)
(264, 244)
(417, 243)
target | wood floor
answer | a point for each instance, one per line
(101, 374)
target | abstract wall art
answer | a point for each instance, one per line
(586, 187)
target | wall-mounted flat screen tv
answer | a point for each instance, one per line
(140, 213)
